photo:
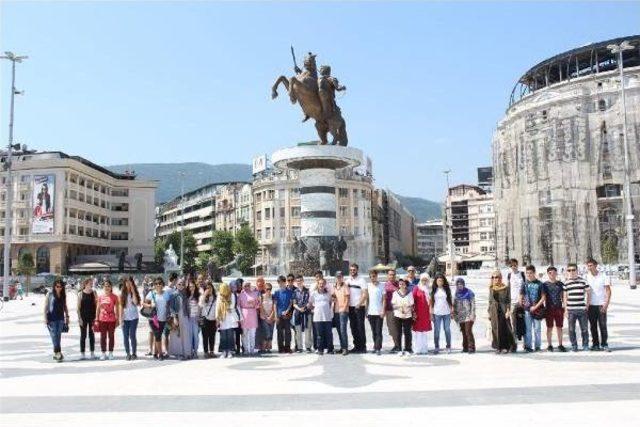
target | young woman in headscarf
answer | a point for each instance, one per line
(464, 312)
(422, 312)
(499, 313)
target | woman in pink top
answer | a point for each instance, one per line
(107, 318)
(249, 302)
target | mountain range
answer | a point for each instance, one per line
(200, 174)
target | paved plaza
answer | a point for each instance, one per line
(574, 388)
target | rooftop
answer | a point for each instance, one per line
(589, 59)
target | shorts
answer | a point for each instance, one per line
(555, 315)
(157, 333)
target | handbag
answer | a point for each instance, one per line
(203, 317)
(150, 312)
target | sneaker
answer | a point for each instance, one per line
(593, 348)
(149, 354)
(345, 352)
(111, 356)
(134, 356)
(155, 356)
(93, 356)
(606, 348)
(436, 351)
(550, 348)
(128, 357)
(378, 352)
(83, 356)
(309, 350)
(562, 349)
(528, 349)
(448, 351)
(574, 348)
(104, 356)
(586, 348)
(537, 349)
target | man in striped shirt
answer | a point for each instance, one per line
(576, 302)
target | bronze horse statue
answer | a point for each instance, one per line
(303, 89)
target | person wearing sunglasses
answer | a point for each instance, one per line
(499, 313)
(56, 317)
(576, 300)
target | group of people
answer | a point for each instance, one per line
(245, 315)
(518, 306)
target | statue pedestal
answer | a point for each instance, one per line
(317, 166)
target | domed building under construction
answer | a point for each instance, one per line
(558, 157)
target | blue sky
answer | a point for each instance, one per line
(173, 82)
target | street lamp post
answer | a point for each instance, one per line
(449, 219)
(619, 49)
(9, 207)
(182, 174)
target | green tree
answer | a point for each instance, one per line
(26, 267)
(202, 260)
(245, 247)
(159, 246)
(222, 246)
(610, 250)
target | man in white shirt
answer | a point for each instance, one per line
(516, 279)
(600, 287)
(375, 297)
(357, 285)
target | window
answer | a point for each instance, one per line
(267, 213)
(282, 212)
(355, 212)
(483, 236)
(258, 234)
(25, 178)
(344, 231)
(344, 211)
(602, 105)
(258, 197)
(343, 192)
(295, 192)
(267, 233)
(258, 215)
(23, 231)
(295, 231)
(295, 212)
(271, 194)
(282, 232)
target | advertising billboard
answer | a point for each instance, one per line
(43, 204)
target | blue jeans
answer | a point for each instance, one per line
(323, 335)
(195, 333)
(55, 330)
(341, 320)
(129, 328)
(581, 317)
(445, 321)
(532, 325)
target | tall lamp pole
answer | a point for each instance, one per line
(619, 49)
(181, 173)
(449, 219)
(9, 184)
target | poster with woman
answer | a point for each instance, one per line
(43, 202)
